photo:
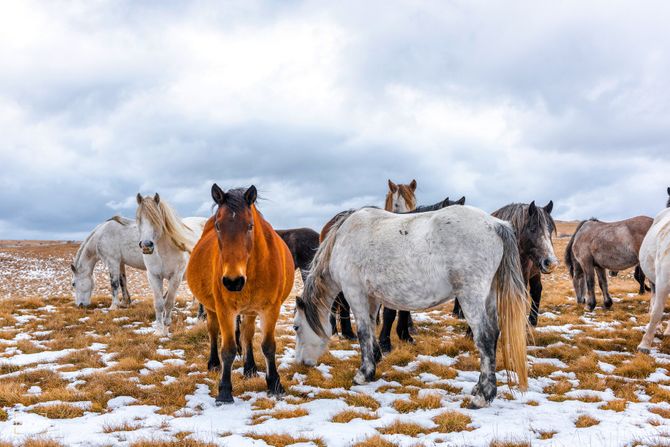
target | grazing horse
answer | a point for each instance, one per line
(166, 242)
(114, 242)
(415, 262)
(533, 227)
(240, 266)
(655, 263)
(596, 246)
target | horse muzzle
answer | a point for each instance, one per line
(234, 284)
(147, 247)
(548, 265)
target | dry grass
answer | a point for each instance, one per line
(617, 405)
(509, 443)
(177, 443)
(399, 427)
(374, 441)
(349, 415)
(58, 411)
(639, 367)
(662, 412)
(584, 421)
(361, 400)
(452, 421)
(428, 401)
(283, 440)
(123, 426)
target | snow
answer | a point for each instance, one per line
(37, 357)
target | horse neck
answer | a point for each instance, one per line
(87, 255)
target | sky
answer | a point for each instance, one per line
(319, 103)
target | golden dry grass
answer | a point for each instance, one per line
(584, 421)
(58, 411)
(452, 421)
(425, 402)
(349, 415)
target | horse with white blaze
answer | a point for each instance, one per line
(415, 262)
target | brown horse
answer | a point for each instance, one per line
(240, 266)
(596, 246)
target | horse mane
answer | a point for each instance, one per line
(165, 219)
(517, 215)
(316, 285)
(406, 193)
(120, 220)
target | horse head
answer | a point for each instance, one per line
(234, 226)
(401, 198)
(535, 237)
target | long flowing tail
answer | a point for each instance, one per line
(569, 258)
(512, 308)
(318, 284)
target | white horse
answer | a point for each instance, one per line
(114, 242)
(655, 263)
(414, 262)
(166, 243)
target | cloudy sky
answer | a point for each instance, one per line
(318, 104)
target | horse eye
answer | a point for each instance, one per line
(216, 226)
(296, 327)
(250, 227)
(73, 284)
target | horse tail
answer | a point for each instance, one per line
(512, 303)
(569, 258)
(319, 281)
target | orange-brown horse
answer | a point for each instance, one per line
(240, 266)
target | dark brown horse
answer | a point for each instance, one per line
(302, 243)
(598, 246)
(533, 226)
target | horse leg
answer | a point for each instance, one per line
(602, 280)
(115, 282)
(269, 347)
(227, 328)
(156, 283)
(402, 328)
(480, 314)
(124, 287)
(170, 293)
(589, 273)
(238, 344)
(410, 324)
(214, 362)
(536, 295)
(345, 318)
(202, 315)
(658, 299)
(578, 282)
(334, 312)
(640, 277)
(457, 312)
(248, 327)
(366, 337)
(385, 334)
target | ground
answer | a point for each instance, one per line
(72, 377)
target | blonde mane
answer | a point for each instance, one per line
(165, 220)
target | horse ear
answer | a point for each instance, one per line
(157, 198)
(669, 190)
(549, 207)
(412, 185)
(393, 187)
(218, 195)
(250, 195)
(74, 269)
(139, 198)
(461, 201)
(532, 209)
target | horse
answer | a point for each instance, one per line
(415, 262)
(400, 198)
(655, 263)
(166, 242)
(596, 246)
(533, 227)
(240, 265)
(114, 243)
(302, 243)
(638, 275)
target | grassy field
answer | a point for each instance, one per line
(70, 376)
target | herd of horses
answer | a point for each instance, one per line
(400, 259)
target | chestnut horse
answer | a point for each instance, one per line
(240, 266)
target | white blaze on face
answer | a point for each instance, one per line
(399, 204)
(308, 345)
(548, 250)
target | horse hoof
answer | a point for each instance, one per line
(251, 372)
(607, 305)
(276, 390)
(386, 347)
(477, 402)
(223, 400)
(643, 350)
(359, 379)
(114, 307)
(349, 336)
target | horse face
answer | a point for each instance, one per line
(401, 198)
(148, 233)
(83, 284)
(309, 347)
(536, 238)
(234, 225)
(148, 236)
